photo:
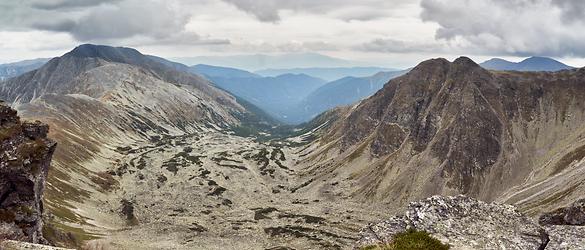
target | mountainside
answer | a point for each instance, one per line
(18, 68)
(456, 128)
(530, 64)
(98, 99)
(148, 159)
(342, 92)
(329, 74)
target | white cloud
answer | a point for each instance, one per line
(518, 27)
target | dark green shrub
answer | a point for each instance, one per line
(411, 240)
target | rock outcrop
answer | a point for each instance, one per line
(571, 215)
(25, 156)
(466, 223)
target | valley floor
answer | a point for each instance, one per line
(220, 191)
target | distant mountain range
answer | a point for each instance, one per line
(275, 95)
(18, 68)
(260, 61)
(342, 92)
(329, 74)
(530, 64)
(296, 98)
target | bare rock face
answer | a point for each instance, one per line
(25, 156)
(463, 223)
(572, 215)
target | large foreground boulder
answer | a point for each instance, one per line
(25, 156)
(466, 223)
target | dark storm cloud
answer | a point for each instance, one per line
(514, 27)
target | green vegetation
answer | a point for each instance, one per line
(411, 240)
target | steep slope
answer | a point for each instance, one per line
(329, 74)
(342, 92)
(529, 64)
(147, 159)
(456, 128)
(98, 99)
(18, 68)
(24, 164)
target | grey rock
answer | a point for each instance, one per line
(572, 215)
(463, 223)
(25, 156)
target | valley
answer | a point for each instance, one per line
(153, 156)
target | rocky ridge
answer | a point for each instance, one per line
(24, 165)
(466, 223)
(453, 128)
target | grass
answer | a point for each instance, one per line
(411, 240)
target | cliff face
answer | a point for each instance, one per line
(25, 156)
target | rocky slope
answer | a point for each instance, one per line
(456, 128)
(148, 160)
(466, 223)
(99, 99)
(24, 165)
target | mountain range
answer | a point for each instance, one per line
(261, 61)
(455, 128)
(18, 68)
(329, 74)
(152, 154)
(295, 98)
(529, 64)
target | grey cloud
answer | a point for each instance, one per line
(510, 27)
(399, 46)
(103, 20)
(268, 10)
(68, 4)
(573, 10)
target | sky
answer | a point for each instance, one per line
(390, 33)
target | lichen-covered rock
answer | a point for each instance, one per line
(25, 156)
(463, 223)
(18, 245)
(572, 215)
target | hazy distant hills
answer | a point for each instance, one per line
(530, 64)
(18, 68)
(260, 61)
(342, 92)
(275, 95)
(329, 74)
(296, 98)
(223, 72)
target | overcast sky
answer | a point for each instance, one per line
(393, 33)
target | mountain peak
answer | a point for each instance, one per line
(105, 52)
(463, 60)
(534, 63)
